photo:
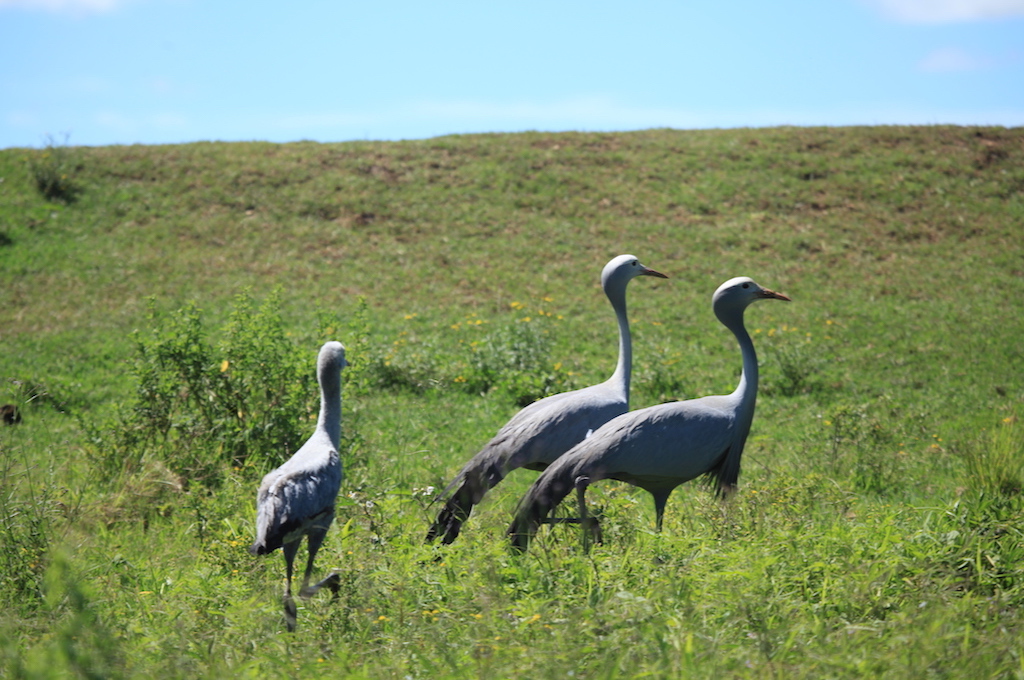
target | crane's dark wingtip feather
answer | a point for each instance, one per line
(456, 510)
(545, 494)
(520, 543)
(446, 525)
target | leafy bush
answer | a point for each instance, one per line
(863, 444)
(514, 358)
(245, 402)
(661, 375)
(403, 364)
(796, 362)
(78, 643)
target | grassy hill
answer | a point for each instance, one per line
(878, 530)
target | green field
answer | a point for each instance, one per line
(879, 526)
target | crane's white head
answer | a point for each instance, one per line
(622, 269)
(733, 296)
(332, 355)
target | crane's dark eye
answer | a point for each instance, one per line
(634, 263)
(746, 285)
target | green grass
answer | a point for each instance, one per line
(878, 527)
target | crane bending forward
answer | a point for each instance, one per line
(660, 447)
(549, 427)
(297, 499)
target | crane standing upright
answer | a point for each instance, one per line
(297, 499)
(549, 427)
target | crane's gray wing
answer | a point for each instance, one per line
(662, 445)
(533, 438)
(290, 497)
(537, 440)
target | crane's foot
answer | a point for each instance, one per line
(291, 613)
(332, 582)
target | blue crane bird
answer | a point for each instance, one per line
(297, 499)
(549, 427)
(660, 447)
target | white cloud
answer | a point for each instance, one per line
(73, 7)
(947, 11)
(958, 60)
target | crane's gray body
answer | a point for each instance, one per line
(646, 447)
(297, 499)
(546, 429)
(296, 496)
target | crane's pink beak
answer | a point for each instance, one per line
(772, 295)
(651, 272)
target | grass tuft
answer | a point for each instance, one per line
(54, 171)
(995, 464)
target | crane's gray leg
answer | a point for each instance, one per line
(290, 611)
(591, 527)
(660, 499)
(316, 535)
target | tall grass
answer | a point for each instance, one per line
(995, 464)
(159, 333)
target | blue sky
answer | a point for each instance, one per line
(167, 71)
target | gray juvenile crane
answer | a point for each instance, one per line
(549, 427)
(297, 499)
(660, 447)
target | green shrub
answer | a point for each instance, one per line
(247, 401)
(53, 171)
(78, 643)
(404, 364)
(862, 443)
(661, 375)
(514, 358)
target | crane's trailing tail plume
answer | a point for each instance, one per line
(543, 497)
(456, 510)
(472, 485)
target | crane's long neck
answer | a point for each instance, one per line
(330, 404)
(746, 391)
(624, 368)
